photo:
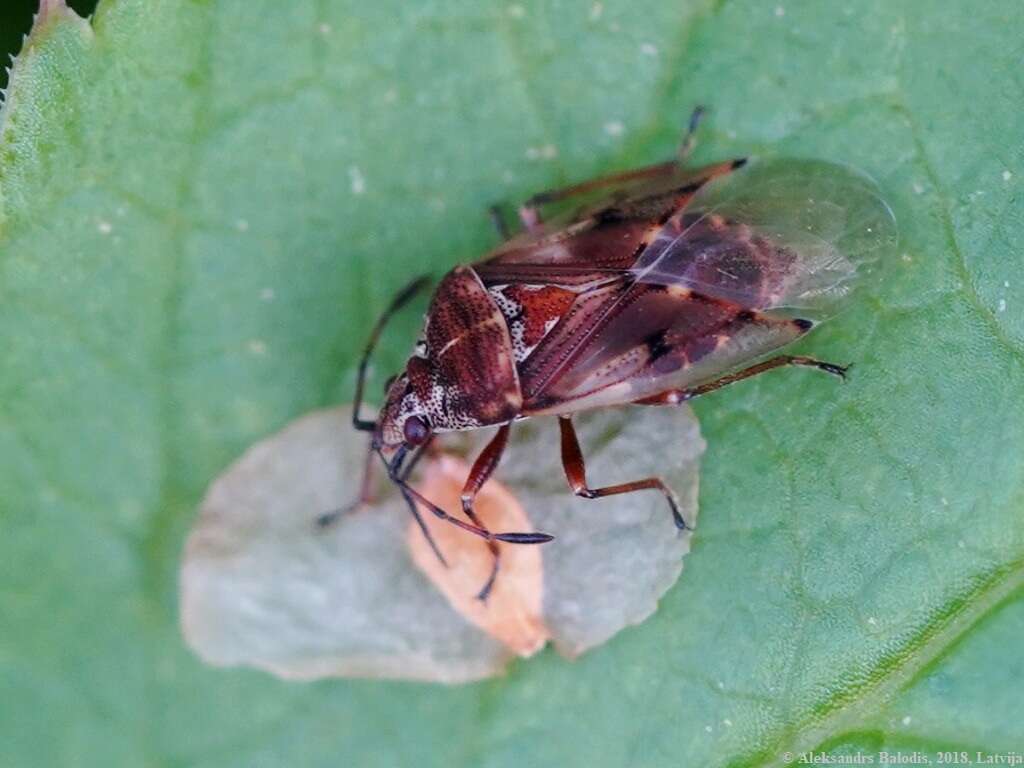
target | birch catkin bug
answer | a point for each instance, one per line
(647, 287)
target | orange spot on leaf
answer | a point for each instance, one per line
(512, 612)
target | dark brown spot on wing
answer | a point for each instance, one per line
(718, 257)
(657, 344)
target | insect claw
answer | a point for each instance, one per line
(524, 538)
(696, 116)
(834, 368)
(485, 591)
(677, 516)
(837, 370)
(327, 519)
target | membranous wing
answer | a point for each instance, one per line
(794, 236)
(697, 284)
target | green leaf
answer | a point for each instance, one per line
(204, 204)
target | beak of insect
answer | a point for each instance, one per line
(393, 457)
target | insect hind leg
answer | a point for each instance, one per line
(576, 474)
(676, 396)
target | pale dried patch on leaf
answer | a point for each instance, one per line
(512, 612)
(263, 586)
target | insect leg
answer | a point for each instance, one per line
(576, 474)
(365, 494)
(676, 396)
(529, 211)
(400, 299)
(511, 538)
(482, 469)
(689, 140)
(395, 475)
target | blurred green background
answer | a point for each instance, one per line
(205, 203)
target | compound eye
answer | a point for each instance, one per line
(415, 431)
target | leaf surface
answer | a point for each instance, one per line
(203, 205)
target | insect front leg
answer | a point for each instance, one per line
(365, 496)
(676, 396)
(576, 474)
(366, 485)
(482, 470)
(400, 300)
